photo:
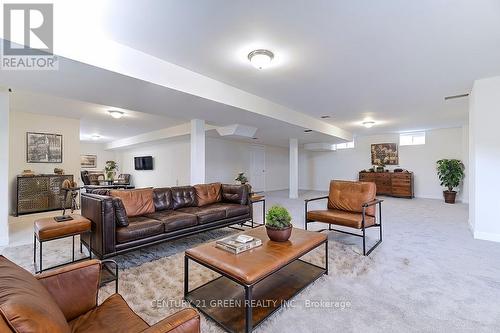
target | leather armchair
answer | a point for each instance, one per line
(351, 204)
(65, 300)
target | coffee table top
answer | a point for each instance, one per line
(251, 266)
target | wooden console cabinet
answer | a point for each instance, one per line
(40, 193)
(396, 184)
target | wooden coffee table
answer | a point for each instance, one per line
(255, 283)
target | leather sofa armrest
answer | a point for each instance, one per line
(184, 321)
(100, 210)
(73, 287)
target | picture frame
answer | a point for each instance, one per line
(385, 154)
(88, 161)
(44, 147)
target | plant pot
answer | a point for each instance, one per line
(449, 196)
(279, 235)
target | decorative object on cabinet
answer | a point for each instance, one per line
(40, 193)
(384, 154)
(43, 148)
(451, 174)
(88, 161)
(59, 171)
(396, 184)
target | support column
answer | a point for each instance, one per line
(294, 169)
(197, 151)
(4, 166)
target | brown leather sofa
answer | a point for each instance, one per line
(65, 300)
(172, 213)
(351, 204)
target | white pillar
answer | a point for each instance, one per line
(294, 168)
(197, 151)
(4, 167)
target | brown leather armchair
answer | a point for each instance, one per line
(65, 300)
(350, 204)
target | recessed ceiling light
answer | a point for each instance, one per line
(368, 124)
(308, 130)
(95, 136)
(116, 114)
(325, 117)
(261, 58)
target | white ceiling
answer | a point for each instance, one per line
(94, 118)
(392, 61)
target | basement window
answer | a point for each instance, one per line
(345, 145)
(412, 139)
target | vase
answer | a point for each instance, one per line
(279, 235)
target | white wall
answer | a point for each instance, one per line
(4, 166)
(484, 137)
(170, 163)
(316, 169)
(22, 122)
(224, 159)
(98, 149)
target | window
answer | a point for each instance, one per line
(345, 145)
(412, 139)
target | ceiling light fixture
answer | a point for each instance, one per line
(261, 58)
(368, 124)
(116, 114)
(95, 137)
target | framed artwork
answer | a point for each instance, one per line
(44, 148)
(385, 154)
(88, 161)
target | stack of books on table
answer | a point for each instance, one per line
(238, 243)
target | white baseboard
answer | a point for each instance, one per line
(487, 236)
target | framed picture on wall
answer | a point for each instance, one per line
(385, 154)
(44, 148)
(88, 161)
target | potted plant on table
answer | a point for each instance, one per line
(241, 178)
(110, 170)
(451, 174)
(278, 225)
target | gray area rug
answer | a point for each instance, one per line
(429, 275)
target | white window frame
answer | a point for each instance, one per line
(412, 139)
(344, 145)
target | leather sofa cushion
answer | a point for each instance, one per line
(206, 214)
(183, 196)
(139, 227)
(162, 199)
(113, 315)
(350, 196)
(235, 194)
(340, 217)
(25, 303)
(174, 220)
(120, 213)
(136, 202)
(233, 209)
(208, 193)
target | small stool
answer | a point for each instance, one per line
(47, 229)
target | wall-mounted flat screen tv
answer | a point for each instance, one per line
(143, 163)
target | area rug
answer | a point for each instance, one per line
(151, 279)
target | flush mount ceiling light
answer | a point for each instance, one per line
(368, 124)
(116, 114)
(261, 58)
(95, 137)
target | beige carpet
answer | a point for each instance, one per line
(429, 275)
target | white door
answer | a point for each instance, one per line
(258, 168)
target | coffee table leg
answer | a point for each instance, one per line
(186, 275)
(248, 308)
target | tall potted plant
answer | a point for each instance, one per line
(278, 224)
(110, 170)
(451, 174)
